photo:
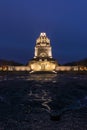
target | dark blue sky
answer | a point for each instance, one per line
(64, 21)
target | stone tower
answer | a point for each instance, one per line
(43, 48)
(43, 60)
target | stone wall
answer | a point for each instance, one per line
(47, 68)
(19, 68)
(15, 68)
(67, 68)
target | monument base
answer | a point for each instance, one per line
(43, 65)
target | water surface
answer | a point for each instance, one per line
(43, 102)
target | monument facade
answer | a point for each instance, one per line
(43, 60)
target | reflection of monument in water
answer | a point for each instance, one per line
(43, 60)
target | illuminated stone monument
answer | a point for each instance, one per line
(43, 48)
(43, 60)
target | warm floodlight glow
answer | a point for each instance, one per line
(43, 66)
(43, 47)
(43, 55)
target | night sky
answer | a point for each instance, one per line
(64, 21)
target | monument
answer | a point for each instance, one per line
(43, 60)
